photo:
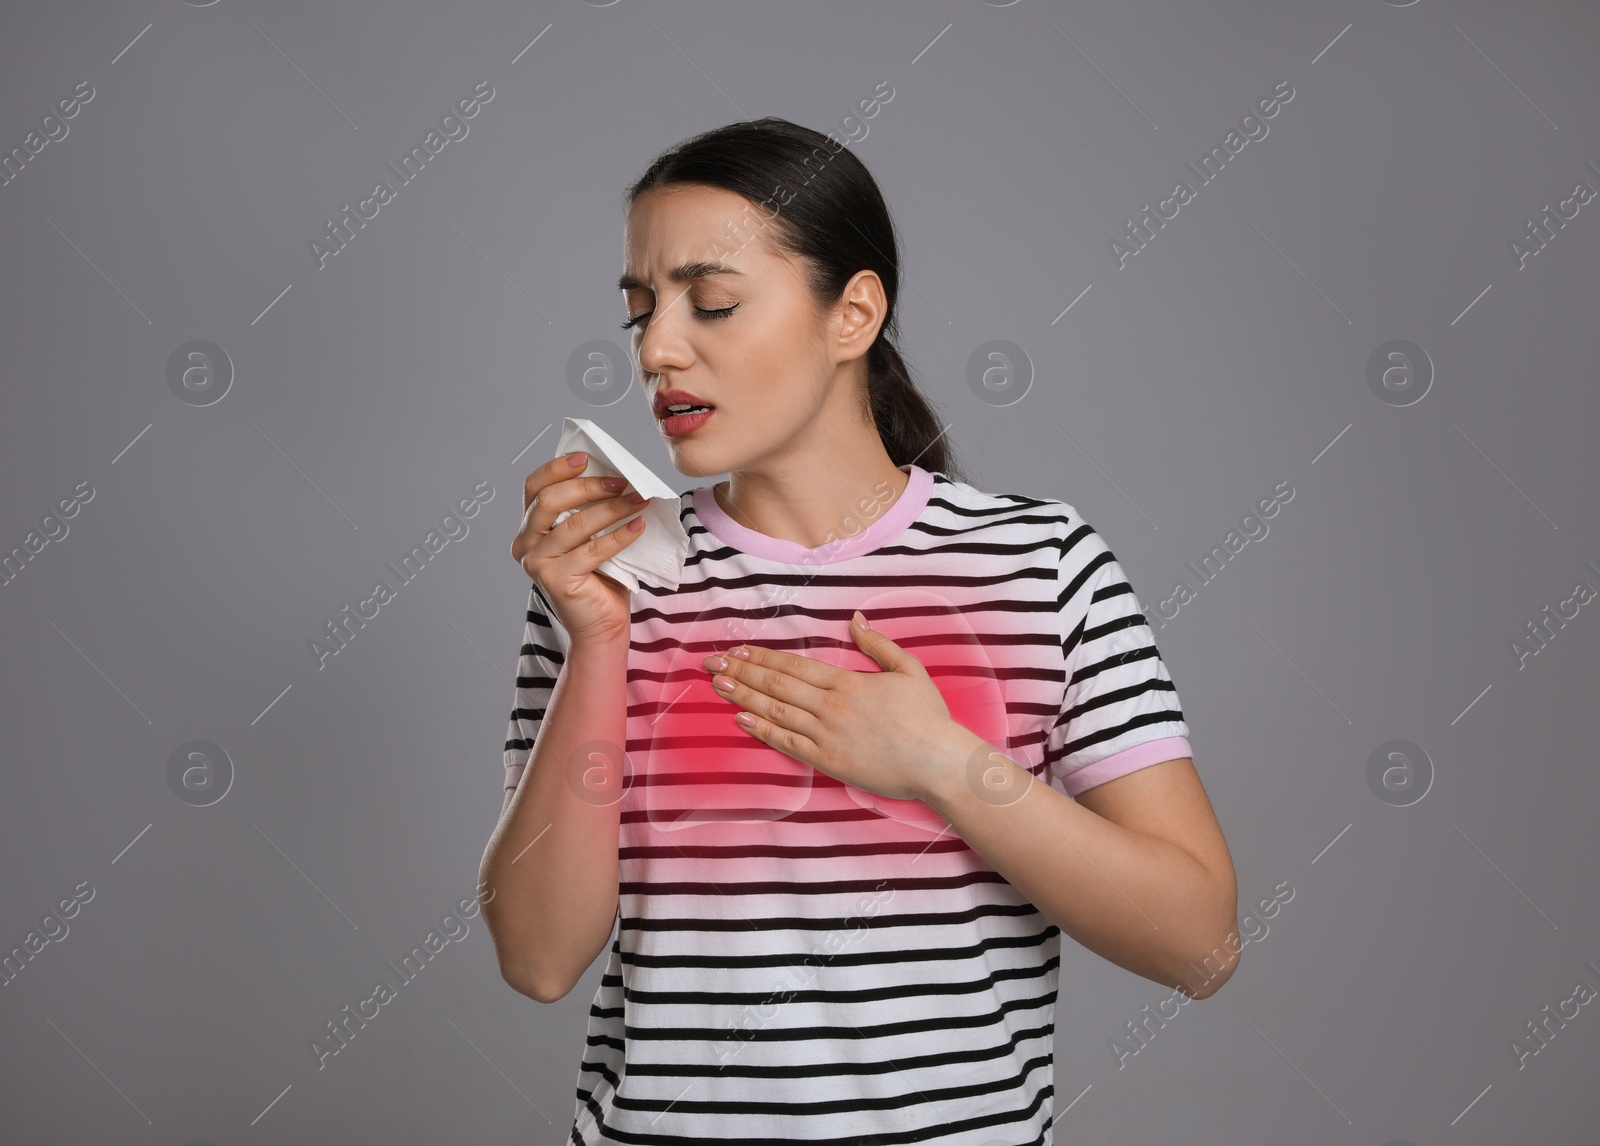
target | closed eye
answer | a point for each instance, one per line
(699, 313)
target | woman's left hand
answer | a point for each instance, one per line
(885, 732)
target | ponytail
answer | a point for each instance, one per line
(906, 422)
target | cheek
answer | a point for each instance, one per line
(772, 383)
(793, 379)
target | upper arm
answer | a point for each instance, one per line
(1166, 801)
(539, 663)
(1119, 710)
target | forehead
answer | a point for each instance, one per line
(677, 234)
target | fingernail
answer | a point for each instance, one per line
(860, 620)
(637, 498)
(577, 459)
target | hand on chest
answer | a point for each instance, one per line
(692, 765)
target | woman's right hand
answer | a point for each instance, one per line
(562, 559)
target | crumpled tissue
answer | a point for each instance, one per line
(658, 554)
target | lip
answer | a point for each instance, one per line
(677, 425)
(676, 398)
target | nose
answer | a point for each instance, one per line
(660, 347)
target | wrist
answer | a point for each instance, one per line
(603, 647)
(603, 636)
(958, 754)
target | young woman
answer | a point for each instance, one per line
(840, 857)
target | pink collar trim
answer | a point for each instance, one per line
(852, 542)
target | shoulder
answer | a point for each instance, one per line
(1054, 530)
(1021, 514)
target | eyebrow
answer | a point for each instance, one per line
(681, 274)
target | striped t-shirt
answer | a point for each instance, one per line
(798, 959)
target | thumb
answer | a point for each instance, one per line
(880, 648)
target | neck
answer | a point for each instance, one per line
(811, 508)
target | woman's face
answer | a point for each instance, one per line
(747, 339)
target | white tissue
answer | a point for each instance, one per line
(658, 554)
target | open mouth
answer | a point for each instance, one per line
(680, 419)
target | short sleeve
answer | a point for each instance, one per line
(1119, 709)
(544, 645)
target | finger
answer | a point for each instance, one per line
(557, 469)
(787, 712)
(881, 649)
(787, 741)
(542, 540)
(816, 673)
(581, 526)
(577, 546)
(758, 673)
(607, 544)
(551, 500)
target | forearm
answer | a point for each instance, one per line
(552, 859)
(1141, 902)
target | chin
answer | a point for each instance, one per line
(694, 461)
(713, 464)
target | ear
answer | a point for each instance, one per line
(861, 310)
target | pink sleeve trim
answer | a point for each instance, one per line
(514, 774)
(1128, 760)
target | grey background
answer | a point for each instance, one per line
(433, 353)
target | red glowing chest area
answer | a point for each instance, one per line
(691, 766)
